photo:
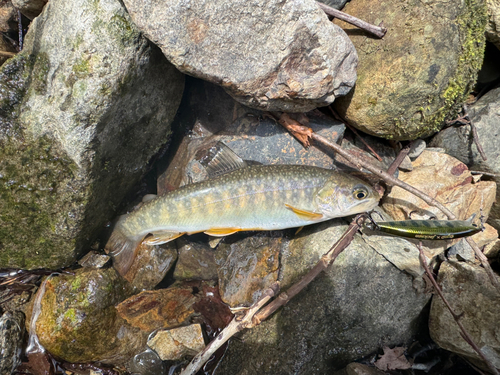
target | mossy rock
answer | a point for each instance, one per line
(78, 321)
(419, 75)
(82, 111)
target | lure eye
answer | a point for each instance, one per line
(360, 194)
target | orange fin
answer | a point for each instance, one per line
(157, 238)
(303, 214)
(221, 232)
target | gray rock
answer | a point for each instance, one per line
(30, 8)
(458, 142)
(11, 341)
(146, 363)
(493, 26)
(357, 305)
(83, 108)
(420, 73)
(337, 4)
(216, 117)
(269, 54)
(94, 260)
(471, 294)
(176, 343)
(196, 261)
(417, 147)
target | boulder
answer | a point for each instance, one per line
(83, 108)
(420, 73)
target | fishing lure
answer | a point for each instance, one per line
(427, 229)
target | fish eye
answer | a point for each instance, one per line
(360, 194)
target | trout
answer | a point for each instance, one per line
(265, 197)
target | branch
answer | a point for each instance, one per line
(378, 31)
(254, 317)
(391, 180)
(465, 335)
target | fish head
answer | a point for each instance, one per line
(344, 195)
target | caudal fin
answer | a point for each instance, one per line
(122, 248)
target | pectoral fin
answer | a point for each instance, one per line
(157, 238)
(305, 215)
(221, 232)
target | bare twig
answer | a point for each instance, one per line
(391, 180)
(475, 138)
(7, 54)
(399, 159)
(465, 335)
(495, 175)
(325, 261)
(256, 313)
(237, 324)
(378, 31)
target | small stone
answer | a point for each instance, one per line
(196, 261)
(94, 260)
(493, 26)
(151, 264)
(146, 362)
(468, 289)
(417, 147)
(177, 343)
(462, 251)
(244, 274)
(11, 341)
(492, 249)
(159, 309)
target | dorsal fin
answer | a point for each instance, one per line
(220, 160)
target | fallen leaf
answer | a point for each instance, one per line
(393, 359)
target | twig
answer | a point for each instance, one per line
(475, 138)
(325, 261)
(391, 180)
(372, 29)
(237, 324)
(346, 123)
(7, 54)
(399, 159)
(256, 313)
(495, 175)
(20, 29)
(465, 335)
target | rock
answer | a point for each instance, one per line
(151, 265)
(447, 180)
(94, 260)
(196, 261)
(417, 147)
(77, 128)
(245, 131)
(159, 309)
(359, 369)
(420, 73)
(337, 4)
(458, 142)
(146, 363)
(30, 8)
(247, 267)
(493, 25)
(8, 26)
(77, 319)
(11, 341)
(267, 54)
(359, 303)
(492, 249)
(471, 294)
(177, 343)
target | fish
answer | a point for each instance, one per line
(259, 197)
(427, 229)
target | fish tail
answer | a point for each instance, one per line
(122, 247)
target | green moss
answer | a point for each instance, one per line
(471, 23)
(81, 68)
(123, 30)
(39, 73)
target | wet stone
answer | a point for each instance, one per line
(160, 309)
(77, 318)
(247, 267)
(11, 340)
(196, 261)
(94, 260)
(151, 265)
(177, 343)
(469, 290)
(146, 363)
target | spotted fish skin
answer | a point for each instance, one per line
(252, 198)
(429, 229)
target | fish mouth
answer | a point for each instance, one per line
(364, 206)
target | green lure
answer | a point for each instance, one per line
(427, 229)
